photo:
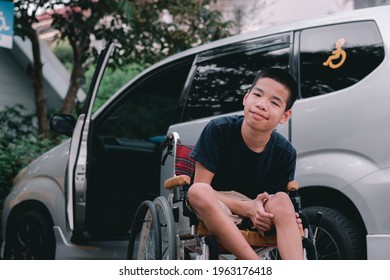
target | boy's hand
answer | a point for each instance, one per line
(299, 221)
(260, 218)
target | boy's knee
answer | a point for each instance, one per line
(199, 194)
(198, 190)
(280, 204)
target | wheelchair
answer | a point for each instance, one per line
(165, 229)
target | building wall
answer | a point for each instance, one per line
(250, 15)
(15, 84)
(359, 4)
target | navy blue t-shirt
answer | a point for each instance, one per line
(221, 150)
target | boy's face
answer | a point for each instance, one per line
(265, 105)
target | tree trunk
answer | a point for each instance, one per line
(77, 72)
(40, 98)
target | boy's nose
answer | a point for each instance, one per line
(261, 104)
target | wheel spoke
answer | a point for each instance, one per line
(326, 246)
(145, 239)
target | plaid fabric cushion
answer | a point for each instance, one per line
(184, 164)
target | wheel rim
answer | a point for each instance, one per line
(167, 228)
(272, 254)
(326, 246)
(147, 242)
(27, 242)
(145, 234)
(164, 235)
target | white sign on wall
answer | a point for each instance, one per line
(6, 24)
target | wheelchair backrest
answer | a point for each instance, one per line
(183, 163)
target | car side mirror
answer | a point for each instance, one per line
(62, 124)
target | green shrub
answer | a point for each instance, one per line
(64, 53)
(19, 145)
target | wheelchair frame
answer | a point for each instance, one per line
(156, 231)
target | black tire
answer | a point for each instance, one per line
(145, 234)
(167, 227)
(337, 237)
(30, 237)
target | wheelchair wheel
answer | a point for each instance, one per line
(167, 227)
(145, 234)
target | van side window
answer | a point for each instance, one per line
(338, 56)
(222, 77)
(146, 110)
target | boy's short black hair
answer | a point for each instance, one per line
(283, 77)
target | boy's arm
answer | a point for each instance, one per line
(246, 208)
(253, 209)
(202, 175)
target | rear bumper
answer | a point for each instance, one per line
(378, 247)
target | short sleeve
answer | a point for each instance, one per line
(208, 147)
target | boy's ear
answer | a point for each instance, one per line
(245, 97)
(286, 116)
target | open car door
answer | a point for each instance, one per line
(76, 178)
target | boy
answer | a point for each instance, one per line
(245, 153)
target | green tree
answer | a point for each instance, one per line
(25, 17)
(164, 27)
(140, 27)
(78, 23)
(146, 30)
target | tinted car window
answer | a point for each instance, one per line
(148, 108)
(338, 56)
(222, 76)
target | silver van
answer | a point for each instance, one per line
(77, 201)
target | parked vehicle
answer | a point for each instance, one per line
(77, 201)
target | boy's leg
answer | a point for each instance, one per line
(287, 230)
(203, 200)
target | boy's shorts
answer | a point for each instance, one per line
(240, 221)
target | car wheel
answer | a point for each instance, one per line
(336, 237)
(30, 237)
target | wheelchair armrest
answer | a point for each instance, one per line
(177, 181)
(292, 190)
(292, 185)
